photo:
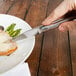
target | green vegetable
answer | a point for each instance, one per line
(10, 28)
(15, 33)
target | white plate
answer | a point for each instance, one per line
(25, 47)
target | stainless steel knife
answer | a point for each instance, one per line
(42, 28)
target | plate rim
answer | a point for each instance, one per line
(27, 56)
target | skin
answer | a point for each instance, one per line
(61, 10)
(8, 0)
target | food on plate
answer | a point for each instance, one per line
(10, 30)
(7, 45)
(4, 37)
(15, 33)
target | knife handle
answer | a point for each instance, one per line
(54, 24)
(71, 15)
(43, 28)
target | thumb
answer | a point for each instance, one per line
(71, 25)
(62, 9)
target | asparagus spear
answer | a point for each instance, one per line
(10, 28)
(15, 33)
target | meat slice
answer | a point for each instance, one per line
(4, 37)
(7, 46)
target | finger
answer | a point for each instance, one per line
(68, 26)
(62, 9)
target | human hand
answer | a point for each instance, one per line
(61, 10)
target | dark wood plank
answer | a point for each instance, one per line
(20, 8)
(5, 5)
(34, 17)
(55, 59)
(72, 40)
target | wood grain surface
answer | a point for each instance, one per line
(55, 60)
(54, 53)
(20, 8)
(35, 16)
(72, 40)
(5, 6)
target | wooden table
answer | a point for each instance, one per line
(54, 53)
